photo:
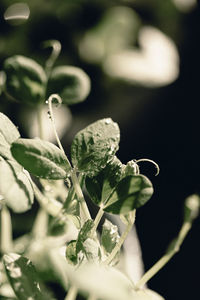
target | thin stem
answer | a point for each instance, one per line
(72, 293)
(151, 161)
(164, 260)
(97, 220)
(120, 242)
(79, 194)
(6, 242)
(40, 122)
(49, 101)
(40, 225)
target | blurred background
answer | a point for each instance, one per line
(143, 60)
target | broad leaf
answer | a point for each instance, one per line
(23, 277)
(71, 83)
(25, 79)
(84, 234)
(94, 146)
(41, 158)
(109, 236)
(101, 186)
(15, 186)
(107, 283)
(130, 193)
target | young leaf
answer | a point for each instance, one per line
(25, 79)
(71, 254)
(130, 193)
(94, 146)
(15, 186)
(109, 236)
(41, 158)
(23, 277)
(101, 186)
(71, 83)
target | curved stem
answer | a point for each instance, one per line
(164, 260)
(72, 293)
(56, 48)
(120, 242)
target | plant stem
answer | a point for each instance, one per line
(72, 293)
(164, 260)
(97, 220)
(79, 194)
(40, 122)
(120, 242)
(6, 244)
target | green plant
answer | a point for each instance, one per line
(63, 244)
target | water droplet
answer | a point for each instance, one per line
(47, 102)
(107, 121)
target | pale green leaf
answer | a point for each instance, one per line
(71, 83)
(8, 130)
(15, 186)
(41, 158)
(109, 236)
(25, 79)
(94, 146)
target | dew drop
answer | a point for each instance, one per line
(107, 121)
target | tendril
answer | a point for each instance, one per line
(50, 100)
(151, 161)
(56, 48)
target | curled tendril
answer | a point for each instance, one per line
(151, 161)
(50, 100)
(56, 48)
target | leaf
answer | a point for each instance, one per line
(84, 234)
(107, 283)
(101, 186)
(25, 79)
(94, 146)
(15, 186)
(71, 83)
(23, 277)
(130, 193)
(71, 254)
(8, 130)
(109, 236)
(41, 158)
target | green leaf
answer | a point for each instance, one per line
(94, 146)
(130, 193)
(41, 158)
(25, 79)
(23, 277)
(109, 236)
(101, 186)
(15, 186)
(71, 83)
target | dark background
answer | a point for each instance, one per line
(157, 123)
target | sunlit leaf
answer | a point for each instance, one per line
(25, 80)
(41, 158)
(130, 193)
(71, 83)
(15, 186)
(94, 146)
(23, 277)
(101, 186)
(109, 236)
